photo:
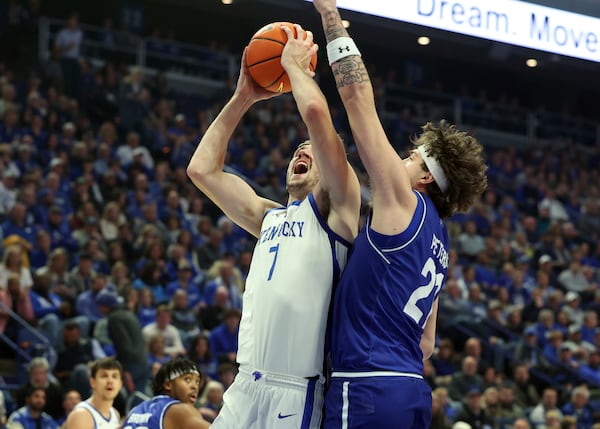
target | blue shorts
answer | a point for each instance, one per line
(382, 402)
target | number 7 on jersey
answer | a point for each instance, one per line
(275, 250)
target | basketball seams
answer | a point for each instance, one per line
(266, 60)
(276, 81)
(279, 42)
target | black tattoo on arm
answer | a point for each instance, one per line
(350, 70)
(333, 26)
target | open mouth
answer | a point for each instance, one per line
(193, 399)
(301, 167)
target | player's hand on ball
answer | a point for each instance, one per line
(247, 87)
(299, 49)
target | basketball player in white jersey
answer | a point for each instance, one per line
(97, 412)
(300, 252)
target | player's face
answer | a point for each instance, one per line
(302, 173)
(414, 166)
(107, 383)
(185, 388)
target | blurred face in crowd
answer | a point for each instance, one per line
(37, 400)
(579, 400)
(521, 374)
(232, 322)
(72, 398)
(549, 398)
(473, 347)
(180, 300)
(71, 335)
(163, 318)
(146, 297)
(38, 376)
(215, 393)
(469, 366)
(73, 22)
(202, 346)
(157, 345)
(473, 401)
(506, 395)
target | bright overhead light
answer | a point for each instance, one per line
(531, 62)
(226, 1)
(423, 41)
(345, 23)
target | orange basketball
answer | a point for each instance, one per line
(263, 57)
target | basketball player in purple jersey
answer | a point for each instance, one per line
(385, 306)
(176, 388)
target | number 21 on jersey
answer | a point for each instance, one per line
(435, 283)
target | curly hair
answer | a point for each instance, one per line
(461, 157)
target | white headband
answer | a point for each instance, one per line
(173, 375)
(434, 168)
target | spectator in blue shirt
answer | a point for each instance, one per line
(224, 338)
(186, 282)
(590, 325)
(579, 407)
(183, 317)
(15, 224)
(25, 160)
(146, 312)
(59, 229)
(86, 301)
(149, 277)
(31, 415)
(199, 352)
(9, 129)
(591, 370)
(50, 310)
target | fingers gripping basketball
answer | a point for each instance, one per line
(263, 57)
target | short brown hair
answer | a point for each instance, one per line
(105, 363)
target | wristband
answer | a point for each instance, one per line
(341, 47)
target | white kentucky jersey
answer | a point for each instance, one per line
(101, 422)
(296, 261)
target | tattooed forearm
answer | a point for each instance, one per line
(349, 71)
(333, 27)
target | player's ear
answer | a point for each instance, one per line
(426, 178)
(168, 386)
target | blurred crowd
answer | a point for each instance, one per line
(107, 249)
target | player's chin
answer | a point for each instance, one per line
(298, 178)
